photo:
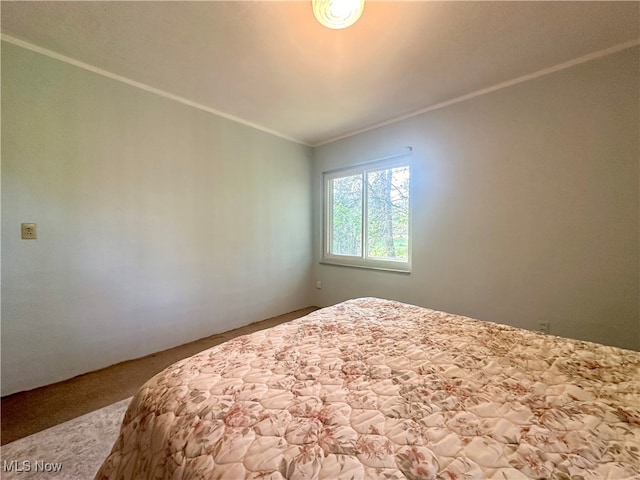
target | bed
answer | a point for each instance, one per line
(373, 388)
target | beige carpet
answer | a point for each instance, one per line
(71, 450)
(29, 412)
(36, 445)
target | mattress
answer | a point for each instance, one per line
(373, 388)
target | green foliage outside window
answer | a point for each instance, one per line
(384, 211)
(347, 216)
(388, 213)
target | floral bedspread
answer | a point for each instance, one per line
(372, 388)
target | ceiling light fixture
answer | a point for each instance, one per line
(337, 14)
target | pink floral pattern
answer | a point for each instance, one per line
(372, 388)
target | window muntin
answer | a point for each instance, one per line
(367, 215)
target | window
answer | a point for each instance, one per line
(367, 215)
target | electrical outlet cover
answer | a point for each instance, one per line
(29, 231)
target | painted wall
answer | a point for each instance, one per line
(158, 223)
(525, 205)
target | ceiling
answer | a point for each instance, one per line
(271, 65)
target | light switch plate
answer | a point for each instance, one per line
(29, 231)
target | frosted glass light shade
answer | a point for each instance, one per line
(337, 14)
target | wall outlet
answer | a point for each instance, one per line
(29, 231)
(319, 284)
(543, 327)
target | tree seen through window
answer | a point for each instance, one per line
(369, 215)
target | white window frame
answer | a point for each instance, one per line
(362, 261)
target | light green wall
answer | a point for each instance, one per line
(158, 223)
(526, 205)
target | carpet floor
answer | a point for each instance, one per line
(26, 413)
(73, 450)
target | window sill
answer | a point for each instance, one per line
(339, 263)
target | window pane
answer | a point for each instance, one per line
(388, 214)
(347, 216)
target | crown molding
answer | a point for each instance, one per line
(199, 106)
(142, 86)
(484, 91)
